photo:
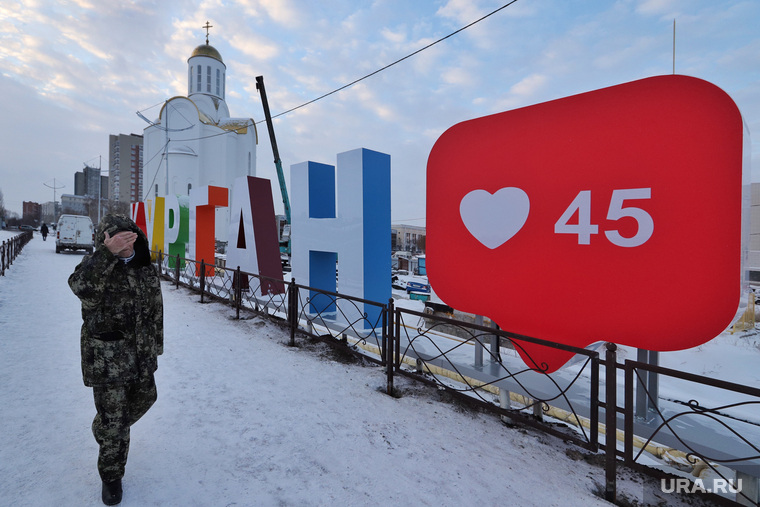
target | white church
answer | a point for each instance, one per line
(195, 142)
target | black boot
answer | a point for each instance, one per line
(112, 492)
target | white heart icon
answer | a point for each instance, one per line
(494, 218)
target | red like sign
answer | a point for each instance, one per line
(614, 215)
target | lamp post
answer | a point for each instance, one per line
(54, 187)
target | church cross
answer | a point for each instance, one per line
(207, 26)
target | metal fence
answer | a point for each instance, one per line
(715, 436)
(480, 365)
(11, 248)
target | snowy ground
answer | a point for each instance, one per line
(243, 419)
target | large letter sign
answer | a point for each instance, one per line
(177, 220)
(203, 203)
(352, 231)
(149, 216)
(253, 244)
(137, 214)
(614, 215)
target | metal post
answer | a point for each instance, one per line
(238, 291)
(176, 271)
(397, 340)
(203, 278)
(293, 310)
(387, 319)
(628, 404)
(610, 413)
(388, 345)
(495, 354)
(653, 382)
(478, 344)
(642, 356)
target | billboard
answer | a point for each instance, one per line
(613, 215)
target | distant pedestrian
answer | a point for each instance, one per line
(122, 335)
(44, 231)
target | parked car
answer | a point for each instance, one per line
(26, 228)
(74, 232)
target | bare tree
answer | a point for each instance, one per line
(421, 244)
(116, 206)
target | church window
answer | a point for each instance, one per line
(198, 88)
(189, 187)
(189, 79)
(208, 78)
(222, 84)
(218, 80)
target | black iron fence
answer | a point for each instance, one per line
(11, 248)
(482, 364)
(716, 437)
(595, 402)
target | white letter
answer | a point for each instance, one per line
(354, 231)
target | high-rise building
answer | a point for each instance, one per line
(125, 162)
(86, 183)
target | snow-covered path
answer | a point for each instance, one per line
(243, 419)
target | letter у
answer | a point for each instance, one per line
(350, 231)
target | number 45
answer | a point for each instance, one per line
(584, 228)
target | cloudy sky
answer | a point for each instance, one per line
(74, 71)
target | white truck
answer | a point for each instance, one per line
(74, 232)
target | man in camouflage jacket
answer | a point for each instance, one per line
(122, 335)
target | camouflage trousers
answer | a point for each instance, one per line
(119, 407)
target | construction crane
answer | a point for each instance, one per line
(282, 229)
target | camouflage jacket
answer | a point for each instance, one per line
(122, 310)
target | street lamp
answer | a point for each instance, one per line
(54, 187)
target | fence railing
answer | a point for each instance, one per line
(482, 363)
(480, 366)
(727, 444)
(11, 248)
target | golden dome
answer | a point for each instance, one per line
(207, 50)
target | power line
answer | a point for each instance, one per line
(356, 80)
(394, 63)
(160, 152)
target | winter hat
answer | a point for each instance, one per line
(114, 223)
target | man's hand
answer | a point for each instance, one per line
(122, 244)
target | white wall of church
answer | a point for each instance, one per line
(203, 148)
